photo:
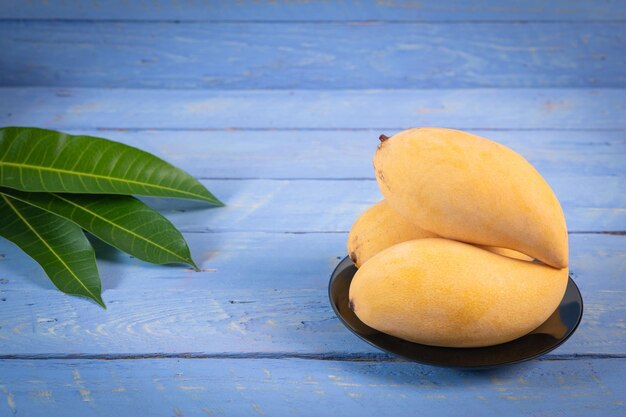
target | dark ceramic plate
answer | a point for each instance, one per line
(551, 334)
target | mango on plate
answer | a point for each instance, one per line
(442, 292)
(468, 188)
(380, 227)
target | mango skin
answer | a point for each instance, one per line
(507, 252)
(468, 188)
(380, 227)
(441, 292)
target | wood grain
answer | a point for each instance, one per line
(312, 11)
(312, 56)
(228, 260)
(276, 105)
(590, 203)
(322, 154)
(509, 109)
(296, 260)
(236, 387)
(259, 294)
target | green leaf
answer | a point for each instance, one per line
(58, 245)
(33, 159)
(121, 221)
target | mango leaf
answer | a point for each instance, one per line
(33, 159)
(58, 245)
(119, 220)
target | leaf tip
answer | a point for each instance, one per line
(99, 301)
(193, 264)
(214, 201)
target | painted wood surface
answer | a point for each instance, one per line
(312, 56)
(257, 294)
(324, 154)
(508, 109)
(276, 107)
(590, 203)
(295, 387)
(299, 261)
(315, 10)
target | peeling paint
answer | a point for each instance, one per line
(10, 399)
(258, 409)
(191, 388)
(236, 327)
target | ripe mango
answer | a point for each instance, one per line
(507, 252)
(441, 292)
(468, 188)
(380, 227)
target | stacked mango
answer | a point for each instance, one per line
(469, 247)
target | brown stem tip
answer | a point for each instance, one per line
(383, 138)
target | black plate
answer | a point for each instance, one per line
(551, 334)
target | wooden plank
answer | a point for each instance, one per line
(234, 387)
(299, 260)
(279, 11)
(256, 323)
(590, 203)
(510, 109)
(243, 304)
(348, 154)
(312, 56)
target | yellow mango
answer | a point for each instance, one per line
(468, 188)
(507, 252)
(380, 227)
(442, 292)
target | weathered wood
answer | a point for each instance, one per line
(320, 154)
(334, 10)
(239, 387)
(259, 294)
(590, 203)
(269, 322)
(248, 260)
(312, 56)
(294, 168)
(304, 109)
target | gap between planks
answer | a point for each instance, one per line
(309, 232)
(316, 129)
(313, 22)
(358, 357)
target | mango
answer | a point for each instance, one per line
(507, 252)
(468, 188)
(380, 227)
(442, 292)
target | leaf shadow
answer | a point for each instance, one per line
(26, 267)
(109, 254)
(114, 265)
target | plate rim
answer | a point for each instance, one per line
(442, 365)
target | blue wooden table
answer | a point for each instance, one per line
(276, 107)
